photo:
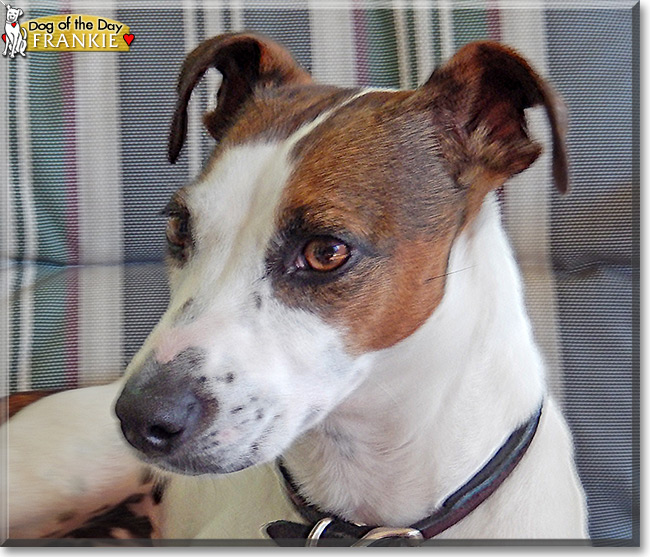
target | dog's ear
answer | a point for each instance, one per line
(482, 93)
(246, 62)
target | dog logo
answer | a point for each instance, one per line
(15, 36)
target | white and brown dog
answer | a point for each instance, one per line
(343, 298)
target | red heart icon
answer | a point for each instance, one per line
(4, 37)
(13, 25)
(129, 39)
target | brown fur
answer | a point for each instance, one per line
(484, 90)
(399, 205)
(395, 175)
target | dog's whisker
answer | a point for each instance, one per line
(448, 273)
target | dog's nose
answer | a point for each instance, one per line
(157, 424)
(158, 412)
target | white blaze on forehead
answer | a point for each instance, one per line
(250, 176)
(232, 210)
(245, 185)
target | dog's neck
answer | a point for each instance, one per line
(431, 411)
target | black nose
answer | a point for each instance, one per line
(157, 424)
(159, 411)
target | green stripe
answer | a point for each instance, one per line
(49, 197)
(18, 232)
(412, 48)
(48, 186)
(436, 44)
(49, 329)
(383, 62)
(14, 322)
(469, 25)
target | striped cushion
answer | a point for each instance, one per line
(88, 175)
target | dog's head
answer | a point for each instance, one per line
(13, 14)
(317, 235)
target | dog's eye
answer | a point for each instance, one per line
(323, 254)
(179, 237)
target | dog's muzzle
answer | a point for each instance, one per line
(163, 405)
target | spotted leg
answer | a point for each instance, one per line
(68, 462)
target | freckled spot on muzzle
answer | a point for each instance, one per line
(189, 359)
(226, 378)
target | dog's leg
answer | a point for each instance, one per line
(21, 46)
(67, 460)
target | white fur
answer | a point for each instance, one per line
(471, 374)
(382, 438)
(289, 361)
(53, 472)
(405, 439)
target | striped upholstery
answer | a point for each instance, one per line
(88, 175)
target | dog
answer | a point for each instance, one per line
(346, 357)
(15, 35)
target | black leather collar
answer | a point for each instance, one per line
(328, 530)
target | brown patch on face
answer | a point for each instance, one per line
(371, 176)
(277, 113)
(393, 175)
(274, 114)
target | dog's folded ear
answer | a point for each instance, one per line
(246, 61)
(481, 95)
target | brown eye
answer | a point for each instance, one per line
(325, 254)
(179, 239)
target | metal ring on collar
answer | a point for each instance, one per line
(411, 535)
(317, 531)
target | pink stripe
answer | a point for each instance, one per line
(71, 215)
(361, 45)
(493, 18)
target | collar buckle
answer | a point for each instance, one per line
(412, 536)
(317, 531)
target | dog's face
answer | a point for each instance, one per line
(317, 235)
(13, 14)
